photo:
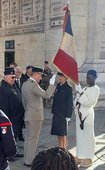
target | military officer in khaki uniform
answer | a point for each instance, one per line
(32, 95)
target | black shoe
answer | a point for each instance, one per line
(18, 155)
(21, 139)
(11, 159)
(28, 165)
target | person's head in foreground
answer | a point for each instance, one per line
(54, 159)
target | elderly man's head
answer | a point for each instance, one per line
(18, 71)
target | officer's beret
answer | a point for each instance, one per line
(9, 71)
(30, 66)
(37, 69)
(92, 72)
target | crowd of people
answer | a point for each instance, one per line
(21, 105)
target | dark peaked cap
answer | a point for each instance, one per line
(37, 69)
(9, 71)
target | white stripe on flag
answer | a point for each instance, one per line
(67, 45)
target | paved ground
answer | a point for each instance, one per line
(46, 140)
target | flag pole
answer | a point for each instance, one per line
(68, 4)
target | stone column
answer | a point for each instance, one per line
(91, 27)
(95, 54)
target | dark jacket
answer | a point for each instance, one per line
(25, 76)
(7, 142)
(63, 100)
(11, 105)
(47, 74)
(21, 81)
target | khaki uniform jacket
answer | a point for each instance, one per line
(32, 95)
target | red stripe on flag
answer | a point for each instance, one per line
(5, 124)
(67, 65)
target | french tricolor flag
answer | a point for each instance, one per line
(65, 57)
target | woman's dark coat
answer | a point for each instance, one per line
(62, 108)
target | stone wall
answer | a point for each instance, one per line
(36, 29)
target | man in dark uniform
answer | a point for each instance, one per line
(47, 74)
(28, 73)
(7, 149)
(9, 101)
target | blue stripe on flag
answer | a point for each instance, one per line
(68, 28)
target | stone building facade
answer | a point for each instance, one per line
(31, 30)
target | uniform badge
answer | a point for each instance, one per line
(4, 130)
